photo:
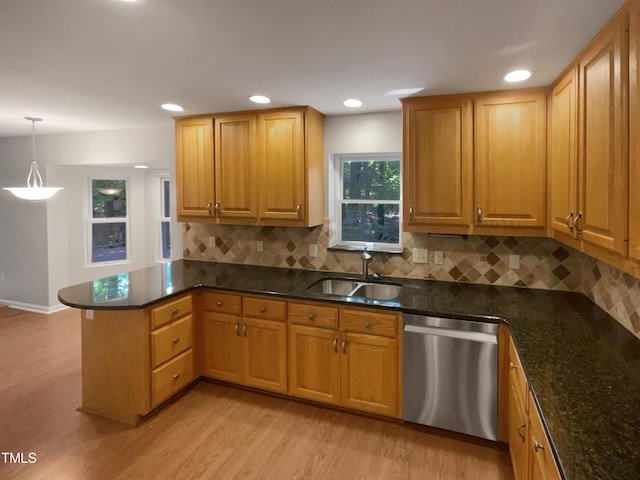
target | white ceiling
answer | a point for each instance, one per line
(108, 64)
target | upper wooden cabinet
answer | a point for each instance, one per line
(563, 171)
(510, 173)
(269, 168)
(634, 129)
(438, 164)
(602, 216)
(498, 186)
(194, 168)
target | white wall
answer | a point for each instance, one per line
(43, 246)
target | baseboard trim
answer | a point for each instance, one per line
(29, 307)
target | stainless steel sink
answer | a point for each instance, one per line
(381, 291)
(344, 287)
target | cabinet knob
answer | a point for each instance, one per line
(175, 311)
(479, 214)
(209, 207)
(411, 213)
(367, 324)
(219, 303)
(176, 340)
(217, 209)
(299, 209)
(176, 377)
(311, 316)
(512, 366)
(537, 446)
(244, 329)
(263, 309)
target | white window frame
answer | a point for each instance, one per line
(92, 221)
(162, 179)
(339, 161)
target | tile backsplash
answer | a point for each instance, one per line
(544, 263)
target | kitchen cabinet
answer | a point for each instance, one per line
(634, 129)
(244, 341)
(542, 464)
(438, 164)
(563, 171)
(346, 357)
(601, 220)
(235, 170)
(133, 360)
(510, 160)
(194, 169)
(476, 163)
(267, 167)
(518, 416)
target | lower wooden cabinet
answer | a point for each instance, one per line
(529, 445)
(246, 350)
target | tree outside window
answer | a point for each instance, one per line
(109, 221)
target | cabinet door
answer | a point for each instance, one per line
(265, 354)
(438, 149)
(634, 128)
(510, 160)
(281, 143)
(314, 363)
(223, 346)
(194, 167)
(518, 432)
(602, 140)
(542, 464)
(235, 167)
(564, 165)
(369, 374)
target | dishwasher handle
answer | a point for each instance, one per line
(447, 332)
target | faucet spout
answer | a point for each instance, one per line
(366, 258)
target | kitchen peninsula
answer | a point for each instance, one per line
(583, 368)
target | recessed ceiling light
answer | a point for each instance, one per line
(517, 75)
(259, 99)
(139, 166)
(172, 107)
(403, 91)
(352, 103)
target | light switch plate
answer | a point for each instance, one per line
(212, 242)
(514, 262)
(438, 257)
(313, 250)
(259, 246)
(420, 255)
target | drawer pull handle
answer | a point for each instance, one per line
(238, 328)
(537, 446)
(479, 214)
(209, 207)
(367, 324)
(311, 316)
(567, 221)
(512, 366)
(520, 427)
(263, 309)
(299, 209)
(576, 222)
(335, 344)
(344, 346)
(176, 340)
(219, 303)
(176, 377)
(175, 311)
(244, 329)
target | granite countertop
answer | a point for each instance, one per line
(582, 365)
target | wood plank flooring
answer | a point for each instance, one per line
(211, 432)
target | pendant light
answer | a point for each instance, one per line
(34, 189)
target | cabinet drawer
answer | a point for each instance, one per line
(362, 321)
(171, 377)
(259, 307)
(316, 315)
(222, 302)
(516, 374)
(171, 340)
(170, 311)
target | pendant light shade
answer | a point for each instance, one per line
(34, 189)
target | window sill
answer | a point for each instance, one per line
(360, 248)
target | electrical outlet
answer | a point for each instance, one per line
(514, 262)
(420, 255)
(313, 250)
(438, 257)
(259, 246)
(212, 242)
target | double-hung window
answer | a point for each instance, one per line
(165, 219)
(368, 201)
(108, 221)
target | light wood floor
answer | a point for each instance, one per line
(211, 432)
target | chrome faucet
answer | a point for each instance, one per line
(366, 258)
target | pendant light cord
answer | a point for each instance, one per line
(34, 180)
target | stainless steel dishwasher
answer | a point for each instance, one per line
(450, 374)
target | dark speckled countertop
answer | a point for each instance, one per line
(583, 366)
